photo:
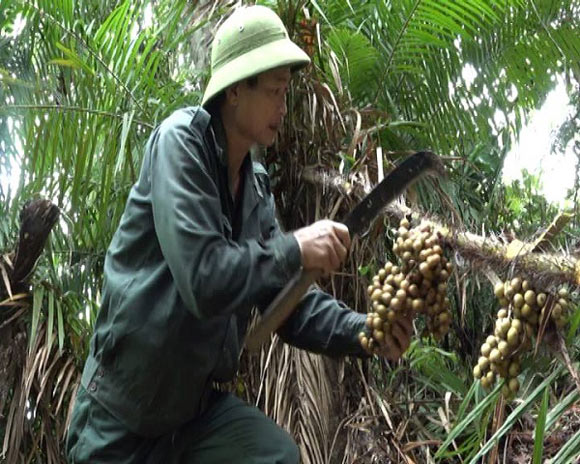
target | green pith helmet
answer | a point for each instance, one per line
(252, 40)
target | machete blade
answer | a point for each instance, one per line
(392, 186)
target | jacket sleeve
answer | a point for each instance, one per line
(320, 324)
(214, 275)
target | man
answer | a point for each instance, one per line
(198, 246)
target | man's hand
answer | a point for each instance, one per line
(323, 245)
(397, 342)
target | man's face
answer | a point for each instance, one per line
(261, 109)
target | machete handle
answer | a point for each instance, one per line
(281, 307)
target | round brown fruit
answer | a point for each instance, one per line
(483, 363)
(503, 348)
(514, 385)
(382, 311)
(396, 304)
(418, 304)
(518, 300)
(514, 369)
(365, 343)
(526, 310)
(516, 284)
(376, 294)
(490, 377)
(403, 232)
(413, 290)
(505, 391)
(505, 326)
(530, 297)
(370, 319)
(508, 291)
(444, 318)
(485, 350)
(541, 299)
(386, 298)
(512, 336)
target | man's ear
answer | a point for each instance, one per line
(233, 94)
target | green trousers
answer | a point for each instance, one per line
(229, 431)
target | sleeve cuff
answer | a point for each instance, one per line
(287, 254)
(358, 325)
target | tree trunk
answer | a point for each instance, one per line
(37, 218)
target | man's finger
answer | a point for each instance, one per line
(334, 258)
(340, 249)
(391, 350)
(343, 234)
(407, 324)
(399, 337)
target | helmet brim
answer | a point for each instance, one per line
(270, 56)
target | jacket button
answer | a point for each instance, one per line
(92, 387)
(100, 372)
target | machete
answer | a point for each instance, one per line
(358, 220)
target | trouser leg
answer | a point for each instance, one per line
(232, 431)
(229, 431)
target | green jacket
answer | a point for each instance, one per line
(182, 273)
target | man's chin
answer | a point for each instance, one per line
(268, 141)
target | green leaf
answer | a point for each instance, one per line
(473, 416)
(541, 428)
(50, 320)
(60, 319)
(516, 414)
(65, 62)
(37, 298)
(569, 452)
(561, 407)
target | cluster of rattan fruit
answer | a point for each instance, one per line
(522, 310)
(417, 285)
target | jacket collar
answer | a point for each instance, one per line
(252, 191)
